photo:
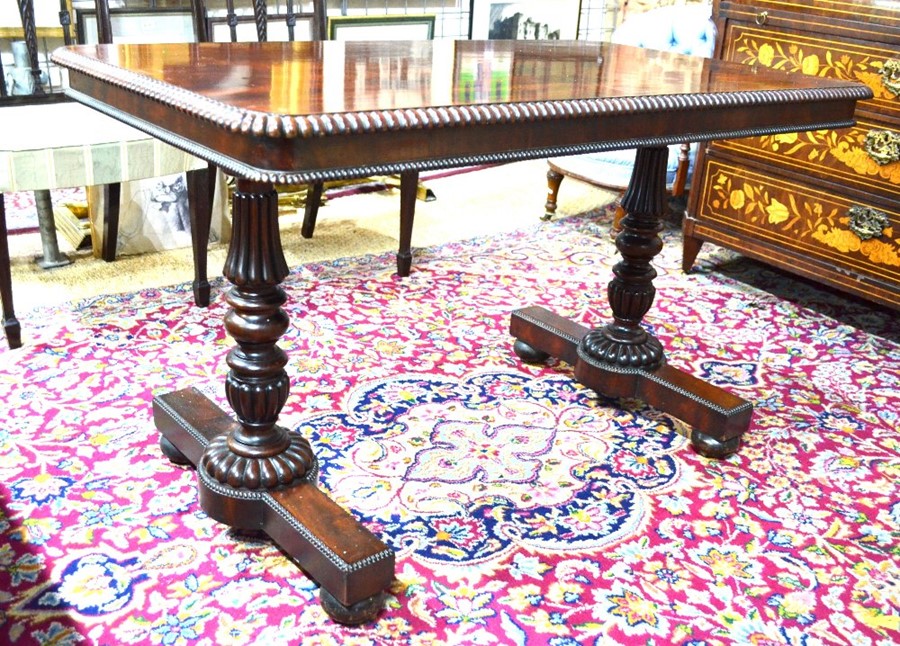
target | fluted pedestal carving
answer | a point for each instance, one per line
(621, 358)
(253, 473)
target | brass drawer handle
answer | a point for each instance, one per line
(890, 75)
(867, 223)
(883, 146)
(762, 17)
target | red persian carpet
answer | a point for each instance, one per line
(599, 525)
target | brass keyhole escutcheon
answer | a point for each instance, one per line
(883, 146)
(890, 75)
(867, 223)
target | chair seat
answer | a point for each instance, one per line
(78, 146)
(611, 169)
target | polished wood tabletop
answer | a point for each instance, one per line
(293, 112)
(283, 111)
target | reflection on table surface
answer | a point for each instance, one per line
(322, 77)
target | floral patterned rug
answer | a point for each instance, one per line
(523, 509)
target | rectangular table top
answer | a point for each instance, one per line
(290, 112)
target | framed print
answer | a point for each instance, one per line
(405, 27)
(524, 20)
(138, 25)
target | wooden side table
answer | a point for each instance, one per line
(539, 99)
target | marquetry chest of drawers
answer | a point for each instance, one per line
(825, 205)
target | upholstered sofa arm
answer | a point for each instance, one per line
(684, 29)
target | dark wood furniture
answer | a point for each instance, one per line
(821, 204)
(409, 181)
(253, 472)
(200, 185)
(579, 167)
(683, 28)
(24, 152)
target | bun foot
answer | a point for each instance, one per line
(175, 456)
(710, 447)
(529, 354)
(360, 612)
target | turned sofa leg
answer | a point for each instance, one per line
(554, 179)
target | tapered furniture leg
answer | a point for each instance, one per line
(10, 324)
(111, 197)
(253, 473)
(621, 359)
(409, 189)
(690, 247)
(200, 184)
(311, 210)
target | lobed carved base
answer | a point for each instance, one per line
(644, 351)
(226, 463)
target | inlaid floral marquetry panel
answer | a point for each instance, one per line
(840, 154)
(817, 56)
(797, 216)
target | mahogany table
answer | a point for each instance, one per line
(288, 113)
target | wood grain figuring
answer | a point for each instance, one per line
(803, 220)
(253, 108)
(793, 199)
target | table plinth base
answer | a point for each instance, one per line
(351, 565)
(717, 418)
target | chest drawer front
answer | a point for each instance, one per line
(820, 55)
(848, 155)
(842, 13)
(800, 218)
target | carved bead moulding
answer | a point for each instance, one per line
(265, 496)
(305, 176)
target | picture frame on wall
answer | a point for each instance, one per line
(375, 27)
(524, 19)
(138, 26)
(46, 19)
